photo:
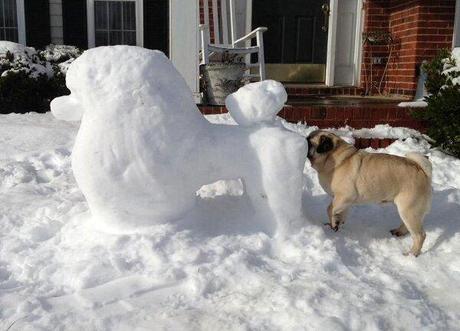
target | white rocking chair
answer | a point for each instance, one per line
(231, 44)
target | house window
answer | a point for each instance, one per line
(114, 22)
(8, 20)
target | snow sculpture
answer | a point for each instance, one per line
(144, 149)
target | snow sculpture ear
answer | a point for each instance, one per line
(66, 108)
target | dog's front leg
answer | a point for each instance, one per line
(337, 212)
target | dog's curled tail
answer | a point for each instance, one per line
(422, 161)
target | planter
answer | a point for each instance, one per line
(222, 79)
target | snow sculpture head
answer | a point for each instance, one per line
(143, 148)
(257, 102)
(122, 79)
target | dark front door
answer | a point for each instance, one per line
(296, 40)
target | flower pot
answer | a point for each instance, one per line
(222, 79)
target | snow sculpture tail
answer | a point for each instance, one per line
(257, 102)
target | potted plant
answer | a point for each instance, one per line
(222, 78)
(377, 38)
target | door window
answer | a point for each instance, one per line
(115, 22)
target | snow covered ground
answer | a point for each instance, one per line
(216, 269)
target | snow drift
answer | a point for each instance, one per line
(143, 148)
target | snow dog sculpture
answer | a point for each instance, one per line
(143, 148)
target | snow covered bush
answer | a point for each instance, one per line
(443, 111)
(60, 53)
(30, 79)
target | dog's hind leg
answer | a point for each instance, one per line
(412, 217)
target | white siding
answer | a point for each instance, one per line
(184, 42)
(57, 36)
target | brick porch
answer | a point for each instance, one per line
(328, 107)
(358, 115)
(327, 116)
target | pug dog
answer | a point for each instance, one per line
(352, 176)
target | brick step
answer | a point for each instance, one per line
(299, 91)
(356, 116)
(374, 143)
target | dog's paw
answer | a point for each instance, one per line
(410, 252)
(397, 233)
(335, 228)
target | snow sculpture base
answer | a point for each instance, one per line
(144, 149)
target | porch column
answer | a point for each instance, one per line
(184, 42)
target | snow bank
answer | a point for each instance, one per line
(16, 49)
(421, 103)
(144, 149)
(215, 269)
(383, 131)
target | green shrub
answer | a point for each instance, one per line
(443, 111)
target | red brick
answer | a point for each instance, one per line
(318, 113)
(357, 113)
(306, 113)
(375, 143)
(288, 112)
(331, 113)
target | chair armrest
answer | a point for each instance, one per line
(251, 34)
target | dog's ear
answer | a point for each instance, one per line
(325, 145)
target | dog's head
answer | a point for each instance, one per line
(321, 144)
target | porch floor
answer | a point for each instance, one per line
(342, 100)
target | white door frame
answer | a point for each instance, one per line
(139, 22)
(359, 42)
(456, 35)
(331, 38)
(331, 42)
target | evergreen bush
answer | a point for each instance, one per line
(443, 111)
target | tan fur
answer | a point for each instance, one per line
(351, 176)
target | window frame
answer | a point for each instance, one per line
(91, 21)
(21, 20)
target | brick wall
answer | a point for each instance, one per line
(419, 28)
(210, 15)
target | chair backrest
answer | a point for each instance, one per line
(222, 24)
